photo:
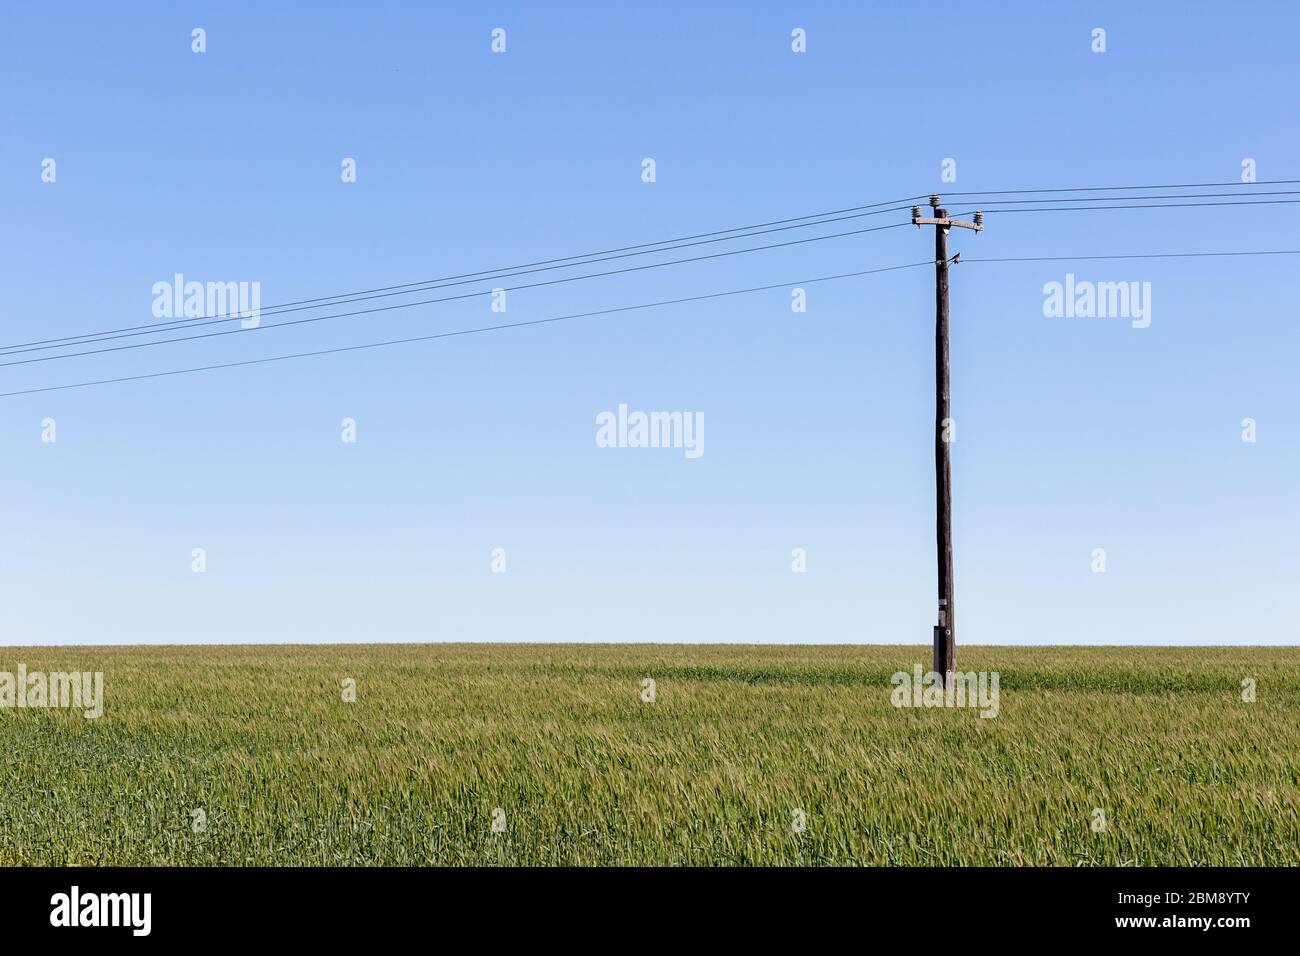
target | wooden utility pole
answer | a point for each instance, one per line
(945, 631)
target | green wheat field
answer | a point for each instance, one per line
(258, 746)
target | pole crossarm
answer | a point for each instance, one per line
(927, 221)
(941, 220)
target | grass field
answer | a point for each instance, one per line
(712, 772)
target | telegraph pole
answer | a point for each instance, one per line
(945, 631)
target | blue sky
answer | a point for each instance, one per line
(1072, 435)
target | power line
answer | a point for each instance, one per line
(630, 308)
(1179, 196)
(460, 332)
(447, 282)
(465, 295)
(643, 245)
(1142, 255)
(1087, 189)
(574, 260)
(1189, 205)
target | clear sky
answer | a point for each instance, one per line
(1072, 434)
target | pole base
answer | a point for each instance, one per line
(945, 652)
